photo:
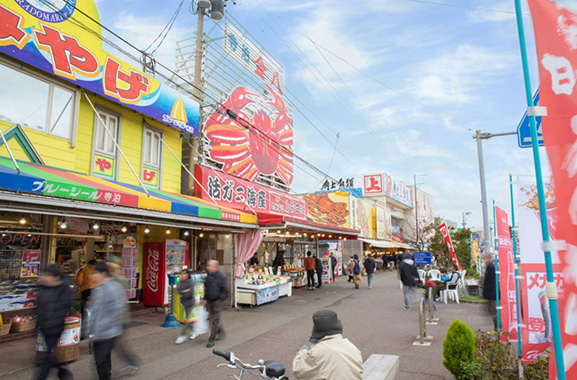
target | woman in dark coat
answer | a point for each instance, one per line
(186, 291)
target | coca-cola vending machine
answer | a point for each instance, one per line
(159, 260)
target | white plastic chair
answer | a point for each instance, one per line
(452, 294)
(435, 275)
(421, 275)
(462, 284)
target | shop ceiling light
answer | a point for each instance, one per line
(278, 232)
(330, 236)
(63, 225)
(23, 220)
(95, 226)
(186, 233)
(201, 235)
(305, 234)
(227, 236)
(147, 230)
(167, 231)
(124, 229)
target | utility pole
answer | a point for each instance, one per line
(480, 136)
(417, 208)
(465, 215)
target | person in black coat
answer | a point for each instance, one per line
(278, 261)
(409, 278)
(319, 267)
(186, 290)
(215, 293)
(489, 289)
(55, 300)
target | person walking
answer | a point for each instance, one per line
(489, 289)
(215, 293)
(85, 284)
(349, 271)
(385, 259)
(355, 269)
(54, 302)
(186, 290)
(319, 269)
(334, 265)
(332, 357)
(409, 278)
(310, 266)
(370, 266)
(108, 309)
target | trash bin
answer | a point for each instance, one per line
(68, 348)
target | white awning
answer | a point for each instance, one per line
(385, 243)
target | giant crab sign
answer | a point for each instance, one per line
(252, 135)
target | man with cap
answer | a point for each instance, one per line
(333, 357)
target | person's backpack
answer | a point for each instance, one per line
(357, 268)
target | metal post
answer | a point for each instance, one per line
(519, 342)
(551, 287)
(416, 213)
(10, 152)
(496, 255)
(486, 233)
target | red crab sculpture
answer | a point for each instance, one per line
(255, 138)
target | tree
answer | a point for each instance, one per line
(459, 349)
(461, 238)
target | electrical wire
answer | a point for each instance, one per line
(463, 6)
(166, 28)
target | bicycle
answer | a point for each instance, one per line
(270, 370)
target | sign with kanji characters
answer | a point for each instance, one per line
(555, 25)
(384, 184)
(246, 196)
(339, 184)
(104, 166)
(508, 299)
(150, 176)
(447, 236)
(373, 184)
(252, 58)
(52, 36)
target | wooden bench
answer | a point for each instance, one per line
(381, 367)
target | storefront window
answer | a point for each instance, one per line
(35, 103)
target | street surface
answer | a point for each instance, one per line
(373, 319)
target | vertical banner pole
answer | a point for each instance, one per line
(496, 253)
(557, 343)
(518, 299)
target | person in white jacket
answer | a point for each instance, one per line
(332, 357)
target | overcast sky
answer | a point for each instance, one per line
(404, 82)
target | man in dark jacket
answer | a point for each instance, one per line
(319, 269)
(370, 266)
(278, 261)
(54, 302)
(489, 288)
(409, 278)
(215, 292)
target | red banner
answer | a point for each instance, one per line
(247, 196)
(556, 41)
(508, 298)
(445, 232)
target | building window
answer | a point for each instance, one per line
(36, 103)
(151, 156)
(106, 131)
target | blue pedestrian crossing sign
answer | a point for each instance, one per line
(523, 130)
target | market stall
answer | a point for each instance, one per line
(261, 287)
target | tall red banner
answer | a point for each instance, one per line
(556, 41)
(445, 232)
(506, 278)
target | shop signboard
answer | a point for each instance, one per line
(268, 294)
(380, 222)
(355, 192)
(52, 36)
(475, 248)
(247, 196)
(340, 184)
(328, 208)
(30, 263)
(373, 184)
(361, 215)
(422, 258)
(384, 184)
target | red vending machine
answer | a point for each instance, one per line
(159, 260)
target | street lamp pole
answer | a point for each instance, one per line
(417, 208)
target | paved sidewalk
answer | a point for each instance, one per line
(373, 319)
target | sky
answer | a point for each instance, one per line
(404, 83)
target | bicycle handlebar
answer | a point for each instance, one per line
(222, 354)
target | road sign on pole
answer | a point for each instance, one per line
(523, 130)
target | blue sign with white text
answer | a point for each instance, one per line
(524, 131)
(422, 258)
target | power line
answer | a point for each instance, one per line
(167, 28)
(463, 7)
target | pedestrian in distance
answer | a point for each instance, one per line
(355, 269)
(334, 264)
(489, 289)
(319, 269)
(186, 290)
(310, 266)
(370, 266)
(349, 271)
(278, 261)
(409, 278)
(108, 310)
(215, 293)
(385, 262)
(332, 356)
(54, 302)
(122, 346)
(85, 284)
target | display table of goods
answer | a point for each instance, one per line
(258, 288)
(19, 294)
(297, 275)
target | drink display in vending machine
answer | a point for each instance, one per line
(160, 259)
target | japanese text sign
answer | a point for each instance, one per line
(51, 36)
(445, 233)
(247, 196)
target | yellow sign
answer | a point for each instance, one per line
(104, 166)
(150, 177)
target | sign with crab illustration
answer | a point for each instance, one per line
(329, 208)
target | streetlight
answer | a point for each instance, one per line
(466, 214)
(417, 207)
